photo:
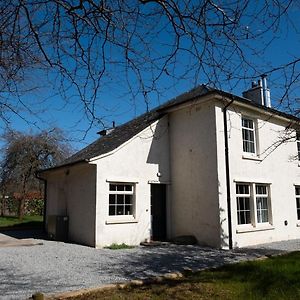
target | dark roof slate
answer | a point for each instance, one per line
(125, 132)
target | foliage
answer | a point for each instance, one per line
(28, 221)
(115, 246)
(25, 154)
(34, 207)
(273, 278)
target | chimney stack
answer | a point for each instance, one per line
(259, 92)
(107, 131)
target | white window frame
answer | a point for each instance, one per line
(122, 192)
(253, 197)
(297, 201)
(254, 131)
(261, 210)
(243, 211)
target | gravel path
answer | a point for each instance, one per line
(56, 267)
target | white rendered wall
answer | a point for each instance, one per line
(276, 166)
(193, 163)
(71, 192)
(137, 161)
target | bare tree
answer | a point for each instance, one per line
(88, 47)
(25, 154)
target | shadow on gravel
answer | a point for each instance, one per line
(28, 284)
(26, 233)
(156, 261)
(260, 251)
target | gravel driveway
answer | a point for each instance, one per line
(56, 266)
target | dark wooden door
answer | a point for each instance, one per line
(158, 212)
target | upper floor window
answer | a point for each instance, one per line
(297, 192)
(249, 139)
(298, 143)
(121, 199)
(253, 203)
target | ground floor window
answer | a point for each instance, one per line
(121, 199)
(297, 192)
(253, 203)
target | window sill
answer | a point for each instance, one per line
(298, 224)
(249, 157)
(121, 221)
(253, 229)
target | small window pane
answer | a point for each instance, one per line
(128, 209)
(128, 199)
(112, 211)
(242, 189)
(120, 209)
(112, 199)
(297, 190)
(261, 190)
(247, 123)
(128, 187)
(120, 199)
(120, 187)
(112, 187)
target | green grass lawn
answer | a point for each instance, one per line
(273, 278)
(28, 221)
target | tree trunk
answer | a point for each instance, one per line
(21, 208)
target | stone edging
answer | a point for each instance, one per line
(136, 282)
(131, 283)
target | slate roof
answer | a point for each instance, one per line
(123, 133)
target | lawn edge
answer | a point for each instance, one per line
(135, 282)
(131, 283)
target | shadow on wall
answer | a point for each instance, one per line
(159, 150)
(223, 236)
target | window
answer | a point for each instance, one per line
(298, 143)
(297, 192)
(243, 203)
(248, 132)
(253, 203)
(262, 203)
(121, 199)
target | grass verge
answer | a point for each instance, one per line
(27, 222)
(118, 246)
(273, 278)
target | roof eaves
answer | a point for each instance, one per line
(262, 107)
(82, 161)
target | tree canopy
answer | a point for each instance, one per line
(140, 47)
(25, 154)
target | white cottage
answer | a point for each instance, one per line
(207, 163)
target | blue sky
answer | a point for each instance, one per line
(113, 104)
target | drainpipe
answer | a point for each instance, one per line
(227, 174)
(45, 199)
